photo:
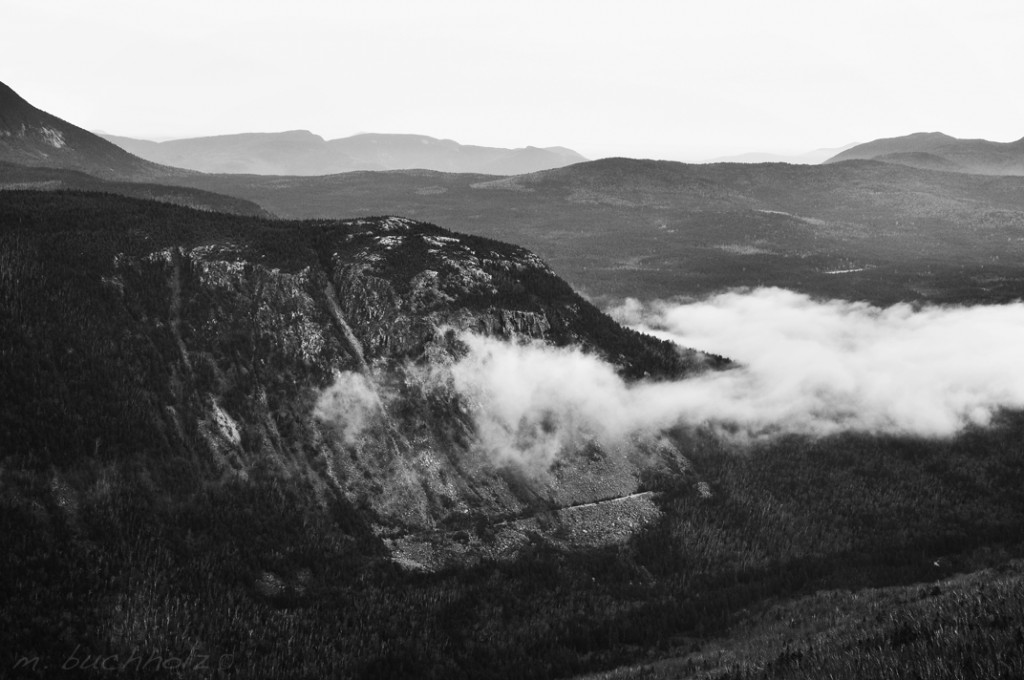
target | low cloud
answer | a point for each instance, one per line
(350, 403)
(531, 402)
(804, 367)
(820, 367)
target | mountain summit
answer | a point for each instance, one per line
(29, 136)
(938, 151)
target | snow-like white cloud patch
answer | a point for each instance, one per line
(350, 403)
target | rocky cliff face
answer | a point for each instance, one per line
(218, 350)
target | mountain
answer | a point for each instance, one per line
(810, 157)
(42, 152)
(35, 138)
(937, 151)
(300, 152)
(221, 330)
(268, 447)
(219, 365)
(619, 228)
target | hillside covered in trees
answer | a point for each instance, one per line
(167, 486)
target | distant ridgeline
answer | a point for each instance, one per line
(936, 151)
(892, 220)
(300, 152)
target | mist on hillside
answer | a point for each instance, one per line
(805, 366)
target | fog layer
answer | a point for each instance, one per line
(803, 366)
(818, 367)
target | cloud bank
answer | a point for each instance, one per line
(350, 403)
(805, 367)
(818, 367)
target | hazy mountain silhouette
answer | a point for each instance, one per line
(808, 158)
(300, 152)
(29, 136)
(938, 151)
(32, 137)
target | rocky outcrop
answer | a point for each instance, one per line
(315, 354)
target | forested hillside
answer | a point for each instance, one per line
(168, 488)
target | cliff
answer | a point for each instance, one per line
(198, 350)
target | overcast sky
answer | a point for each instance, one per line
(679, 80)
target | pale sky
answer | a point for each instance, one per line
(681, 80)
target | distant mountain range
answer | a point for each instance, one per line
(31, 137)
(34, 138)
(860, 229)
(808, 158)
(938, 151)
(300, 152)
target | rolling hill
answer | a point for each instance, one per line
(614, 228)
(300, 152)
(937, 151)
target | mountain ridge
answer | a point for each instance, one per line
(939, 151)
(32, 137)
(301, 152)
